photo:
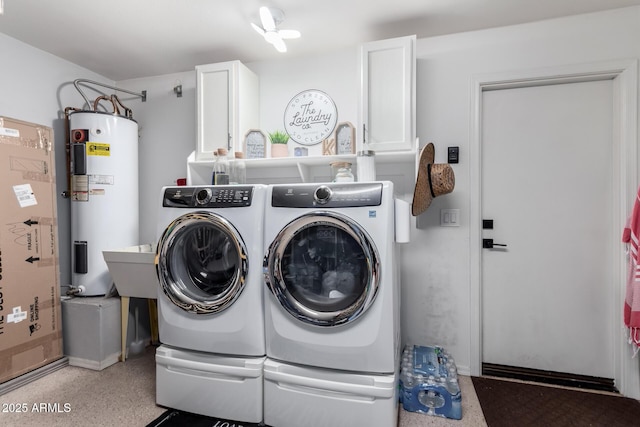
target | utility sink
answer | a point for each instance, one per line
(133, 270)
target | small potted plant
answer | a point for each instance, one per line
(279, 140)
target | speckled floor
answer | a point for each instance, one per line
(471, 411)
(124, 395)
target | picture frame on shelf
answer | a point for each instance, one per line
(345, 138)
(300, 151)
(255, 144)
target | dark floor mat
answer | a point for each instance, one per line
(510, 403)
(175, 418)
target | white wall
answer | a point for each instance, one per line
(167, 128)
(36, 87)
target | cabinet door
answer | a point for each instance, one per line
(388, 94)
(213, 97)
(245, 105)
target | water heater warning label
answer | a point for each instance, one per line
(79, 188)
(98, 149)
(101, 179)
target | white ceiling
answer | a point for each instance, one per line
(124, 39)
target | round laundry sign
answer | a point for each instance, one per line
(310, 117)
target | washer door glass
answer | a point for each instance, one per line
(323, 268)
(201, 263)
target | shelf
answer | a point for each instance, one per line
(396, 166)
(276, 162)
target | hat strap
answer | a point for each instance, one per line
(430, 183)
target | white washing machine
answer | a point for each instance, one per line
(209, 268)
(333, 285)
(210, 308)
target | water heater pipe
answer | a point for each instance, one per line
(77, 83)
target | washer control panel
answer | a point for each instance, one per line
(207, 197)
(329, 195)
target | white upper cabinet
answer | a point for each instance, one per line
(227, 107)
(387, 99)
(228, 99)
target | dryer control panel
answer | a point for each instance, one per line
(330, 195)
(207, 197)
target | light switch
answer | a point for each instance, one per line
(449, 217)
(453, 154)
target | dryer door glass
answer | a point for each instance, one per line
(323, 268)
(202, 263)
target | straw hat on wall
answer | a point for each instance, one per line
(434, 179)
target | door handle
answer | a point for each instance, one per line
(488, 244)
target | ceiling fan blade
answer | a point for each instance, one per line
(279, 45)
(289, 34)
(268, 23)
(271, 36)
(258, 29)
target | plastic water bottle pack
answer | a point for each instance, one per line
(429, 382)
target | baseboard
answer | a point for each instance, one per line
(549, 377)
(25, 379)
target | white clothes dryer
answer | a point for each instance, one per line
(208, 262)
(330, 268)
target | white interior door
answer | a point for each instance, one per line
(547, 183)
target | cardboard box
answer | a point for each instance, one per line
(30, 323)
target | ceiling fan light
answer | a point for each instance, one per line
(267, 19)
(280, 45)
(289, 34)
(271, 36)
(270, 18)
(255, 27)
